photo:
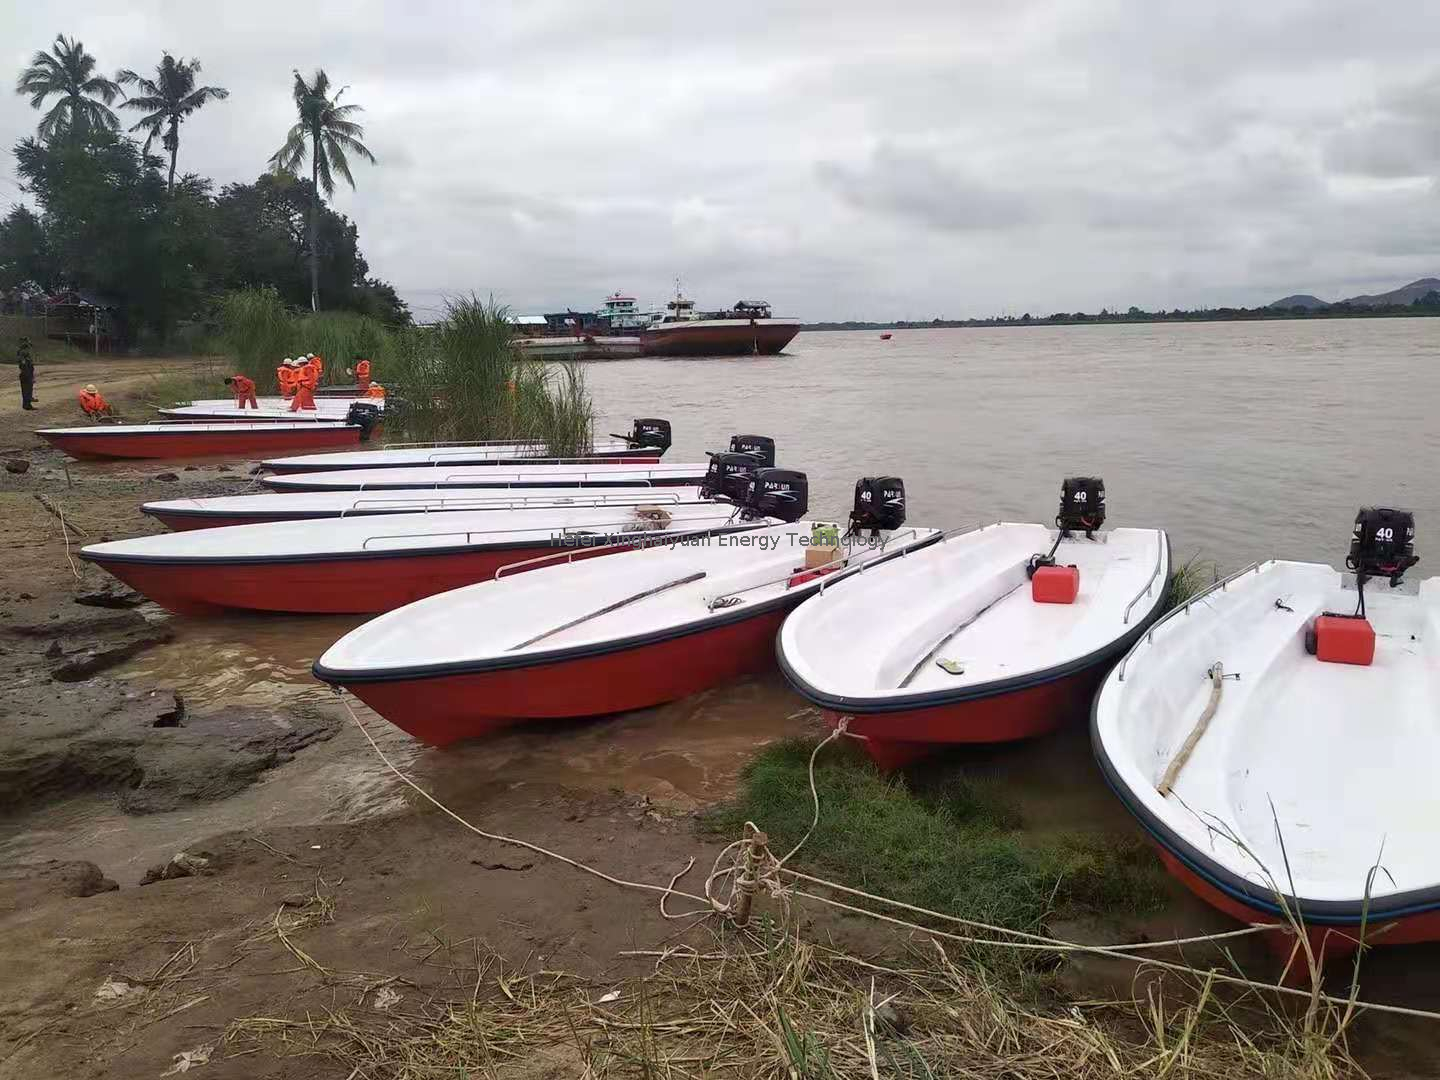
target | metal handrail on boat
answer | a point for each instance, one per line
(828, 575)
(564, 531)
(1149, 635)
(569, 554)
(529, 459)
(660, 498)
(584, 474)
(1149, 584)
(947, 534)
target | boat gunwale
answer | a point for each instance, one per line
(591, 542)
(1251, 894)
(710, 620)
(929, 699)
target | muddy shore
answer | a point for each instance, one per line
(287, 873)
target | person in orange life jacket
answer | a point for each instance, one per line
(94, 403)
(374, 390)
(244, 391)
(305, 391)
(318, 363)
(287, 378)
(361, 373)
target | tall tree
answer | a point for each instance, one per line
(325, 133)
(67, 71)
(168, 99)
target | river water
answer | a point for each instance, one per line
(1244, 440)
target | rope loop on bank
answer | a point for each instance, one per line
(751, 866)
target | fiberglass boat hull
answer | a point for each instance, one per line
(198, 440)
(349, 584)
(444, 708)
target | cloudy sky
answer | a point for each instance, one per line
(842, 159)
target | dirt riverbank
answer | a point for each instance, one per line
(296, 881)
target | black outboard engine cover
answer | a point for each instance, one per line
(879, 503)
(1383, 544)
(778, 493)
(728, 477)
(364, 416)
(1082, 504)
(650, 432)
(760, 447)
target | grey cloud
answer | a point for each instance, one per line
(916, 186)
(1399, 138)
(919, 158)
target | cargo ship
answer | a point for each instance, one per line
(620, 329)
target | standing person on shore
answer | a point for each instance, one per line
(244, 391)
(361, 371)
(27, 374)
(286, 378)
(305, 389)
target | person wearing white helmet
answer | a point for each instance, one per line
(286, 378)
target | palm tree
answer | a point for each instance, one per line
(68, 71)
(326, 134)
(168, 98)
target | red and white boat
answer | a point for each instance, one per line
(181, 515)
(1280, 750)
(186, 440)
(332, 410)
(590, 638)
(645, 445)
(981, 637)
(425, 478)
(365, 565)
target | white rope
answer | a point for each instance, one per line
(666, 891)
(768, 876)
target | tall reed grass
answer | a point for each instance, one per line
(259, 332)
(462, 380)
(459, 380)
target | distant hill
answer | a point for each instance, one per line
(1406, 294)
(1300, 300)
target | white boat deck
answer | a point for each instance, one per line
(461, 476)
(490, 619)
(345, 503)
(430, 456)
(1338, 760)
(966, 601)
(411, 532)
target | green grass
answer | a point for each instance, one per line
(198, 380)
(958, 847)
(1194, 576)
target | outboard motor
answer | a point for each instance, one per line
(879, 504)
(777, 493)
(728, 477)
(1082, 504)
(364, 416)
(1382, 545)
(760, 447)
(1082, 507)
(649, 432)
